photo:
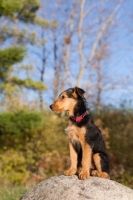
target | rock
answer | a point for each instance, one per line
(71, 188)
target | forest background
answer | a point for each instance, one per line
(46, 47)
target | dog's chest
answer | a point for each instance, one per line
(75, 133)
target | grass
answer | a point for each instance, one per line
(11, 193)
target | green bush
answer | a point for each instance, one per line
(19, 122)
(120, 127)
(11, 193)
(17, 127)
(32, 139)
(34, 145)
(13, 168)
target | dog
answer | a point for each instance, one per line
(88, 154)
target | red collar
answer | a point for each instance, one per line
(79, 118)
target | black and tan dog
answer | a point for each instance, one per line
(87, 148)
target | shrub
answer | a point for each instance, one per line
(19, 122)
(17, 127)
(29, 143)
(120, 127)
(36, 147)
(13, 169)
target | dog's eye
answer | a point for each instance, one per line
(62, 97)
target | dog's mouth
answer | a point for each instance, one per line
(55, 109)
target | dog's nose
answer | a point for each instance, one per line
(50, 106)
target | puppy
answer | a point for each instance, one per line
(88, 154)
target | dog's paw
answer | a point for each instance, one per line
(84, 175)
(100, 174)
(70, 172)
(94, 173)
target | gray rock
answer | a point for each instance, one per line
(71, 188)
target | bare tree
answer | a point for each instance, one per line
(42, 69)
(80, 45)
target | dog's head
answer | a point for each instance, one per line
(67, 100)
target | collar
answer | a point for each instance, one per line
(79, 118)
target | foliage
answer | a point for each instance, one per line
(42, 22)
(29, 83)
(19, 122)
(119, 124)
(15, 130)
(13, 168)
(120, 127)
(31, 150)
(22, 10)
(11, 193)
(22, 36)
(11, 55)
(34, 146)
(15, 12)
(8, 57)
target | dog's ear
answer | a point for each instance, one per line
(78, 91)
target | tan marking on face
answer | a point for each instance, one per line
(63, 103)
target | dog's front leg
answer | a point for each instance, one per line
(73, 160)
(86, 161)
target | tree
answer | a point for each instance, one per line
(15, 12)
(84, 31)
(40, 44)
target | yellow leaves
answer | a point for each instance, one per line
(27, 157)
(9, 88)
(44, 23)
(9, 7)
(13, 167)
(29, 83)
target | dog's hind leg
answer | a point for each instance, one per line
(99, 164)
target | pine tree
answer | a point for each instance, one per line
(13, 11)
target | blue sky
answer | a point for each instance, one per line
(119, 65)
